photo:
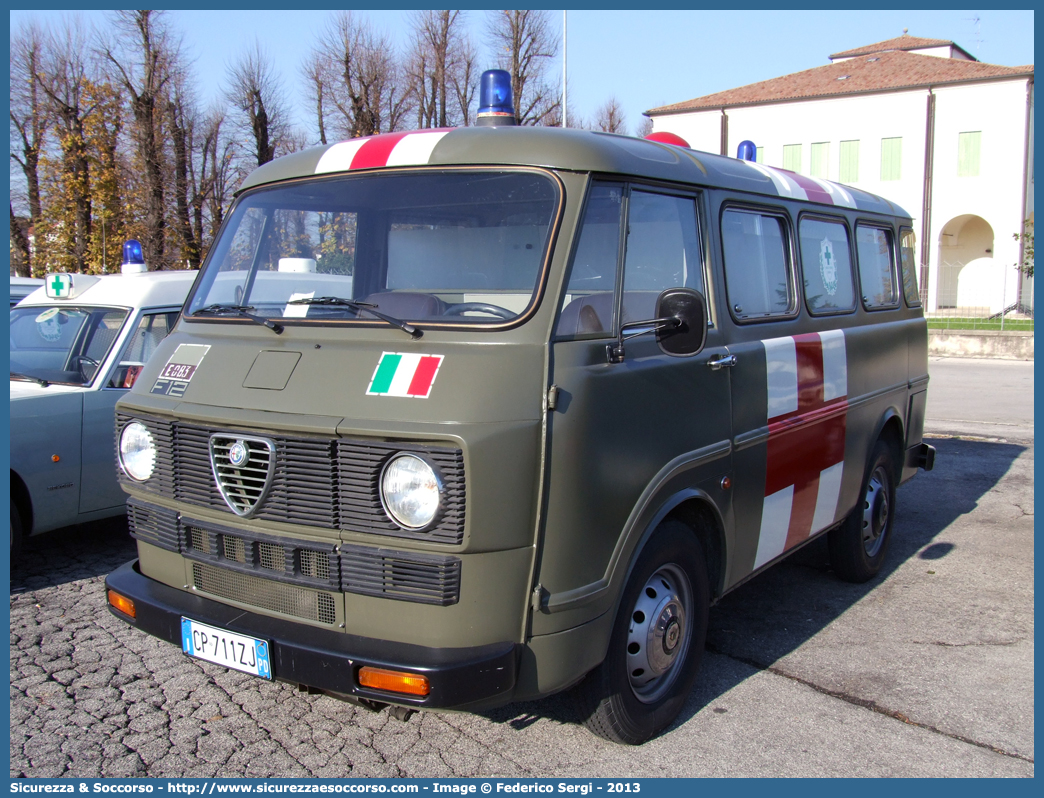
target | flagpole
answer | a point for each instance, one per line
(565, 58)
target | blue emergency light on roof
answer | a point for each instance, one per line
(133, 258)
(746, 151)
(496, 107)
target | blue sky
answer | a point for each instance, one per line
(644, 58)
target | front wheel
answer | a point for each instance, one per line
(859, 545)
(656, 645)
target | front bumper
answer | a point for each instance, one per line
(460, 678)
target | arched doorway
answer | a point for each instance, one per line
(966, 241)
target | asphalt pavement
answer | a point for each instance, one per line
(925, 671)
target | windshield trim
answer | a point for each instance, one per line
(539, 290)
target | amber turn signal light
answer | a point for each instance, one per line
(394, 681)
(122, 603)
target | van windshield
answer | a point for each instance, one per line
(439, 248)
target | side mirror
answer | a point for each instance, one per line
(690, 308)
(680, 325)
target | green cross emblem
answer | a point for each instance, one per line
(60, 284)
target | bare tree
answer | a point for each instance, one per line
(181, 114)
(30, 117)
(526, 44)
(361, 77)
(144, 61)
(441, 68)
(645, 127)
(257, 93)
(316, 72)
(610, 117)
(65, 82)
(218, 175)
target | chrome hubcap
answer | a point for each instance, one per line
(658, 636)
(875, 512)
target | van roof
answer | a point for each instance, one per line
(563, 149)
(151, 289)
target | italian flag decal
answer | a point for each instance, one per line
(404, 374)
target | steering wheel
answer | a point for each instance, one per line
(90, 361)
(479, 307)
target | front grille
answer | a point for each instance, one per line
(242, 468)
(360, 465)
(266, 556)
(233, 548)
(271, 557)
(199, 540)
(309, 605)
(315, 482)
(154, 525)
(405, 576)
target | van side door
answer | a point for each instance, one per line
(636, 432)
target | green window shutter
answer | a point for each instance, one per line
(968, 154)
(849, 171)
(792, 157)
(820, 159)
(760, 156)
(891, 158)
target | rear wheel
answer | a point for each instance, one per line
(656, 645)
(859, 545)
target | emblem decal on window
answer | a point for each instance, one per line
(828, 266)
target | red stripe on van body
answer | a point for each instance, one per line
(814, 191)
(376, 150)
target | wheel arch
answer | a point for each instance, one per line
(890, 430)
(21, 500)
(694, 508)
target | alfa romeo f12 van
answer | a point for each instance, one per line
(455, 418)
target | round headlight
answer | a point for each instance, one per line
(410, 491)
(137, 451)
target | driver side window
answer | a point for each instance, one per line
(663, 251)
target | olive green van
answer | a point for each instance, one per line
(458, 418)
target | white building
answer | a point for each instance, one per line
(918, 121)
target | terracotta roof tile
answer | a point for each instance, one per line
(890, 70)
(903, 42)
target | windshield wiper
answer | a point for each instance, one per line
(241, 311)
(29, 378)
(359, 307)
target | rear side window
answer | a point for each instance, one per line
(876, 266)
(907, 254)
(757, 273)
(826, 266)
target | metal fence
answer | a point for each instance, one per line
(969, 304)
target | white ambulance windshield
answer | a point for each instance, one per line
(464, 247)
(62, 344)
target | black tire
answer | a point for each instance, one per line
(16, 528)
(622, 701)
(858, 547)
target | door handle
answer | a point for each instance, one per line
(725, 361)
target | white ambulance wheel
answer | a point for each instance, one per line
(657, 642)
(859, 545)
(16, 529)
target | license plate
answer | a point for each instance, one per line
(247, 654)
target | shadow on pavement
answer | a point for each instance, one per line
(82, 551)
(781, 609)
